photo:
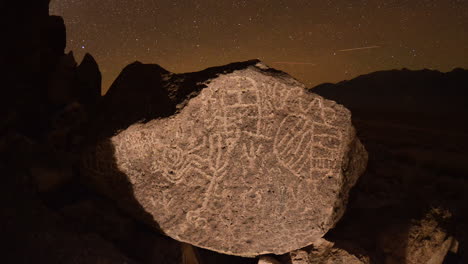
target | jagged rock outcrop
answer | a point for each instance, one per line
(249, 164)
(32, 45)
(88, 78)
(56, 36)
(61, 86)
(70, 83)
(136, 88)
(73, 93)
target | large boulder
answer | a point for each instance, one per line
(249, 164)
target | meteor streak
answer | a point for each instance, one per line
(361, 48)
(294, 63)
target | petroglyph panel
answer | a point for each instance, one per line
(240, 168)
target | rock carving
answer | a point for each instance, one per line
(253, 164)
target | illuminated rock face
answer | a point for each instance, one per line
(253, 164)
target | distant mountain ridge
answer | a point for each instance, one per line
(427, 92)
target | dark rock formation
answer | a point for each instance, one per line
(56, 36)
(61, 85)
(249, 164)
(88, 81)
(70, 83)
(32, 45)
(137, 88)
(29, 55)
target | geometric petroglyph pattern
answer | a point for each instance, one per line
(253, 164)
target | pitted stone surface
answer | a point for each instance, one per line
(253, 164)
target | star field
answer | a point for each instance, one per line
(314, 41)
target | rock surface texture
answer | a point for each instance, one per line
(325, 252)
(250, 164)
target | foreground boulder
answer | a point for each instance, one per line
(325, 252)
(424, 240)
(250, 163)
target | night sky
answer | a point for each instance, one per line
(314, 41)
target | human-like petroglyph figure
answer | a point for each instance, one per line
(253, 164)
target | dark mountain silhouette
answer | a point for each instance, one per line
(423, 94)
(139, 88)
